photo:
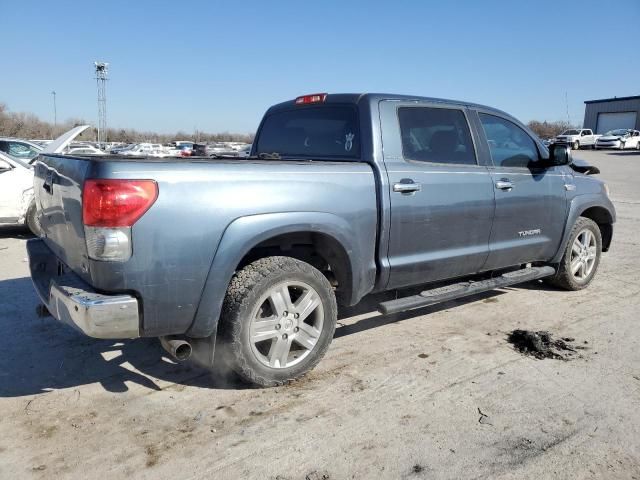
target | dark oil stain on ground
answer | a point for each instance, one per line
(542, 344)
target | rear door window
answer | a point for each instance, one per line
(436, 135)
(327, 131)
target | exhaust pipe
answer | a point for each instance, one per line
(178, 348)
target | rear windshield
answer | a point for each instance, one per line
(307, 132)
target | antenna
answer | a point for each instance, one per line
(566, 101)
(102, 69)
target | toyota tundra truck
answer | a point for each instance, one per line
(343, 195)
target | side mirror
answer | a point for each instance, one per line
(559, 155)
(5, 166)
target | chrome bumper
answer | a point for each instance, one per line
(72, 301)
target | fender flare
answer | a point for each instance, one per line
(244, 233)
(579, 204)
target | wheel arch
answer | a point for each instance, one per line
(604, 220)
(596, 207)
(248, 238)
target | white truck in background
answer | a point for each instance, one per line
(577, 138)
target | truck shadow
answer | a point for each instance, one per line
(15, 231)
(367, 310)
(41, 354)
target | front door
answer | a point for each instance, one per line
(530, 200)
(441, 198)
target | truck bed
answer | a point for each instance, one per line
(201, 202)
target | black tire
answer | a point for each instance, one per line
(246, 294)
(31, 220)
(593, 147)
(564, 278)
(576, 145)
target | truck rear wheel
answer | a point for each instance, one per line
(576, 145)
(278, 319)
(581, 256)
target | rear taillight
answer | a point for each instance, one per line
(313, 98)
(116, 203)
(109, 209)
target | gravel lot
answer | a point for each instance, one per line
(436, 393)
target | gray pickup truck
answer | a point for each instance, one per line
(343, 195)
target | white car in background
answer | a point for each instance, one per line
(620, 139)
(85, 150)
(20, 149)
(142, 149)
(17, 206)
(16, 193)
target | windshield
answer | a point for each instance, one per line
(617, 133)
(327, 131)
(570, 132)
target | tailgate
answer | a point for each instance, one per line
(58, 186)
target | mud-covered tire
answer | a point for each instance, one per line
(31, 219)
(564, 278)
(246, 294)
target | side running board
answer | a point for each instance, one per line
(464, 289)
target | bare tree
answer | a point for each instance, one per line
(549, 129)
(28, 126)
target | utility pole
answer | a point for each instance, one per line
(55, 112)
(566, 101)
(101, 81)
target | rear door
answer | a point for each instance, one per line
(442, 199)
(530, 199)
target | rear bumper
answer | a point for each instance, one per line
(72, 301)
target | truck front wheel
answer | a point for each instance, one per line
(278, 319)
(581, 256)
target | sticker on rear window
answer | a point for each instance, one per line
(348, 141)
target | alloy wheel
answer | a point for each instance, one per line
(286, 324)
(584, 252)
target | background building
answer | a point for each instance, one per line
(611, 113)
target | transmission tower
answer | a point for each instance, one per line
(102, 69)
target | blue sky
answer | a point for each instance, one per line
(217, 65)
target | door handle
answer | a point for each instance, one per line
(504, 184)
(407, 187)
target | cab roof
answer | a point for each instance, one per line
(373, 98)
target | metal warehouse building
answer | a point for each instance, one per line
(611, 113)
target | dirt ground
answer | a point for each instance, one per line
(435, 393)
